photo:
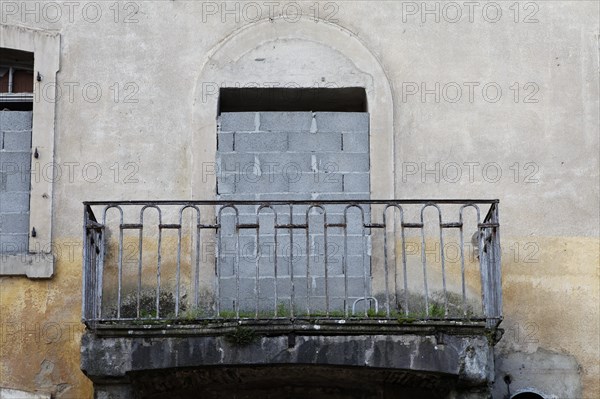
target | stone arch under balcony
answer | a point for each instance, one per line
(417, 365)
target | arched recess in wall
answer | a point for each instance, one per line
(303, 54)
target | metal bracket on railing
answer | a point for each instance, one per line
(368, 298)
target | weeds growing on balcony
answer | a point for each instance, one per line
(241, 336)
(204, 312)
(147, 306)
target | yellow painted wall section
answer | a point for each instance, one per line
(40, 329)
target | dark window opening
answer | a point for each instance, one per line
(348, 99)
(16, 80)
(16, 106)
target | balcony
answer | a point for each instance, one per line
(380, 283)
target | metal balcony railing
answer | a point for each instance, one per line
(173, 262)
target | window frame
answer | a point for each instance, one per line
(39, 261)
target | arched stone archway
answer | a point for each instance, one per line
(303, 54)
(291, 381)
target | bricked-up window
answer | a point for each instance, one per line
(294, 144)
(15, 165)
(16, 104)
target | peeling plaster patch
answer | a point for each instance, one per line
(369, 353)
(475, 363)
(472, 363)
(44, 377)
(62, 389)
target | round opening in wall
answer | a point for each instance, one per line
(527, 395)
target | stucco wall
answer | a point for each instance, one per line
(534, 146)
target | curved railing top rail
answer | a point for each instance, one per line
(294, 202)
